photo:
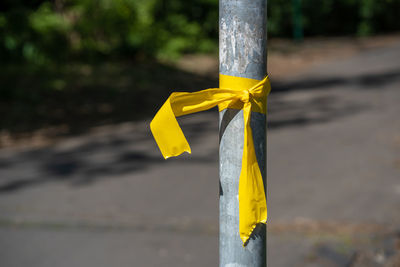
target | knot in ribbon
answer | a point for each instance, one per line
(236, 93)
(245, 98)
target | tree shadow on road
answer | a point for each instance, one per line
(70, 99)
(127, 148)
(363, 81)
(114, 152)
(310, 100)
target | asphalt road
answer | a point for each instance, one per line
(107, 198)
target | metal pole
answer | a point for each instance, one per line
(243, 42)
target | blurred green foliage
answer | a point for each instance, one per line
(335, 17)
(41, 32)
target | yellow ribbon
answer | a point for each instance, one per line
(237, 93)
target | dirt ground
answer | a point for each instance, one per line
(46, 123)
(286, 58)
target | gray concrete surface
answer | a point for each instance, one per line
(108, 198)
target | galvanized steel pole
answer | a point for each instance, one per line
(242, 52)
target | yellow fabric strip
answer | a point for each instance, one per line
(235, 92)
(259, 99)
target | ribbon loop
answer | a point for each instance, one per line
(237, 93)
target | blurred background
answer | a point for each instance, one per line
(82, 182)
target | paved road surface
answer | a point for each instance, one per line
(108, 199)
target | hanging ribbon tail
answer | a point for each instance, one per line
(252, 200)
(164, 126)
(167, 132)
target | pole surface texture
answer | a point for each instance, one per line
(242, 52)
